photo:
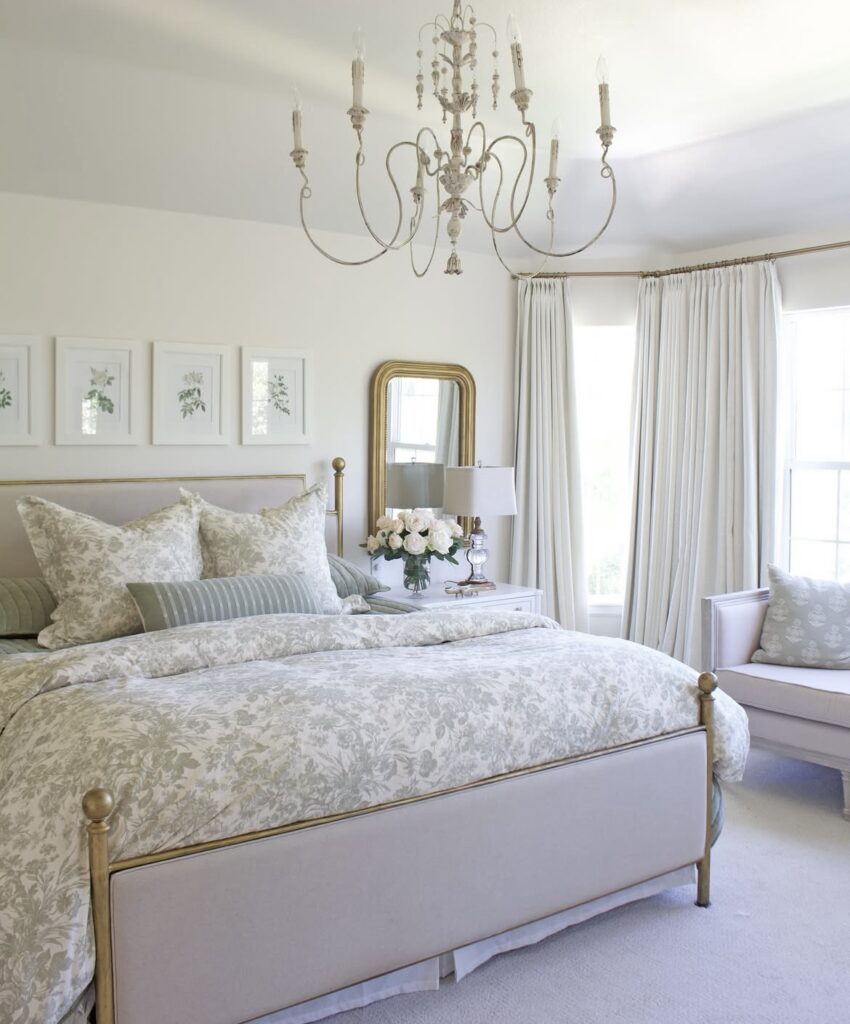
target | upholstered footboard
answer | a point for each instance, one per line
(238, 929)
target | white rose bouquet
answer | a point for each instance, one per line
(416, 536)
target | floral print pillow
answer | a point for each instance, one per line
(271, 542)
(807, 622)
(87, 564)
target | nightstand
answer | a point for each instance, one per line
(506, 597)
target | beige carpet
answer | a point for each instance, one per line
(774, 948)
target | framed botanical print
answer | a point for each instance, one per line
(190, 393)
(275, 396)
(21, 387)
(98, 388)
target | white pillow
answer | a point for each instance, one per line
(87, 564)
(271, 542)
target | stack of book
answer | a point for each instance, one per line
(469, 589)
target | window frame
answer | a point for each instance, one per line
(787, 433)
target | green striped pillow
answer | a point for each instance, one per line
(21, 645)
(349, 579)
(178, 603)
(25, 606)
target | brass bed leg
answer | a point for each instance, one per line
(97, 806)
(707, 683)
(338, 468)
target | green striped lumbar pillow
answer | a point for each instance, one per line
(349, 579)
(25, 606)
(163, 605)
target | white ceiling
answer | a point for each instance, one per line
(733, 116)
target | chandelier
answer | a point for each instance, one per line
(472, 157)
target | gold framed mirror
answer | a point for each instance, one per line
(421, 416)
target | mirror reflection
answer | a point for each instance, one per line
(422, 439)
(422, 420)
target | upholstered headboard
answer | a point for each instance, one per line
(116, 501)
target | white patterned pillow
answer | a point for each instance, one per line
(87, 564)
(271, 542)
(807, 622)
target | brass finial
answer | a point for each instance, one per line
(98, 804)
(338, 464)
(707, 682)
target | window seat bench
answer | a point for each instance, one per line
(795, 711)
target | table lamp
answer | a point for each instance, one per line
(476, 491)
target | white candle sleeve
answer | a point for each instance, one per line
(604, 104)
(553, 158)
(296, 129)
(358, 74)
(519, 74)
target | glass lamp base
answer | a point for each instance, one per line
(477, 555)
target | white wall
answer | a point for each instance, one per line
(106, 271)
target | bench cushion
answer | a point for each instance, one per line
(819, 694)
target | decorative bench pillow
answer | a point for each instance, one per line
(25, 606)
(87, 564)
(164, 605)
(807, 622)
(271, 542)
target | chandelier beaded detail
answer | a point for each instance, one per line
(470, 159)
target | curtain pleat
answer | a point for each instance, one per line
(704, 448)
(546, 547)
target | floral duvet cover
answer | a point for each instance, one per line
(224, 728)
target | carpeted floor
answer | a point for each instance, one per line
(774, 948)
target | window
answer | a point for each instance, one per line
(604, 361)
(412, 430)
(816, 506)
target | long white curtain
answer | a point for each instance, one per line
(703, 448)
(546, 548)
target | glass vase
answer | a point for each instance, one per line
(417, 573)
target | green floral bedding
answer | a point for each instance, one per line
(217, 729)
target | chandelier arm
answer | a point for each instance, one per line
(606, 172)
(491, 155)
(430, 131)
(359, 160)
(531, 132)
(468, 145)
(306, 193)
(524, 274)
(433, 243)
(493, 233)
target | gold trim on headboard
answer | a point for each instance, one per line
(338, 465)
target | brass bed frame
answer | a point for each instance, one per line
(97, 805)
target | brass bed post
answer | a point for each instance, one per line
(338, 468)
(707, 683)
(97, 806)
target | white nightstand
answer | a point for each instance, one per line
(506, 597)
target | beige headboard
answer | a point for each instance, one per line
(116, 501)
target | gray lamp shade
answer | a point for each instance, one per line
(480, 491)
(415, 484)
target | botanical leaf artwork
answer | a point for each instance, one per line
(279, 394)
(191, 397)
(96, 396)
(5, 392)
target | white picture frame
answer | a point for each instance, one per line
(190, 393)
(276, 386)
(22, 387)
(98, 391)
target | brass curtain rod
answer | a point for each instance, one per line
(699, 266)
